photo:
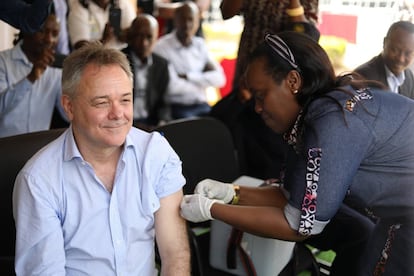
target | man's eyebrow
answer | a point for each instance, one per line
(99, 97)
(107, 97)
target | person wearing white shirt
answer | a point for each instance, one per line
(88, 20)
(193, 68)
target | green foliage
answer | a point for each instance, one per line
(335, 47)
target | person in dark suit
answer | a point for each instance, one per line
(151, 74)
(391, 67)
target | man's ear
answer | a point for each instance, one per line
(66, 102)
(294, 81)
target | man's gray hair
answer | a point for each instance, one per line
(90, 53)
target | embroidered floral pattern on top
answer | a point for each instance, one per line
(380, 267)
(309, 200)
(292, 136)
(362, 94)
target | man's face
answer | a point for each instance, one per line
(101, 111)
(46, 38)
(142, 37)
(398, 52)
(102, 3)
(186, 23)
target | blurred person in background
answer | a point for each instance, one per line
(151, 75)
(262, 17)
(392, 66)
(89, 20)
(195, 68)
(29, 87)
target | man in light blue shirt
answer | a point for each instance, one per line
(93, 201)
(29, 87)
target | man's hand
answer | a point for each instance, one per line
(108, 33)
(40, 63)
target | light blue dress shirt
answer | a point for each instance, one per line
(26, 107)
(69, 224)
(394, 82)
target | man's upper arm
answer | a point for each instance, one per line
(171, 235)
(39, 237)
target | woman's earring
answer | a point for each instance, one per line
(295, 91)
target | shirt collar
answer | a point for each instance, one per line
(176, 43)
(393, 80)
(18, 54)
(72, 151)
(138, 63)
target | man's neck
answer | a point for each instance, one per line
(184, 40)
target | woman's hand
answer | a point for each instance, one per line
(215, 190)
(196, 208)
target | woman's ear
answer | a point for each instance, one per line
(294, 81)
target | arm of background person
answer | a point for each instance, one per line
(180, 89)
(12, 91)
(230, 8)
(78, 24)
(171, 236)
(11, 95)
(26, 17)
(213, 75)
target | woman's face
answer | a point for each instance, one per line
(275, 103)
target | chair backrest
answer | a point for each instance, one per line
(14, 152)
(205, 147)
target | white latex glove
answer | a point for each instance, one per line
(196, 208)
(215, 190)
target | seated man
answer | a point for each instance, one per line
(391, 67)
(29, 87)
(93, 201)
(191, 61)
(165, 10)
(151, 76)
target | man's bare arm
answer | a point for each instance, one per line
(171, 236)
